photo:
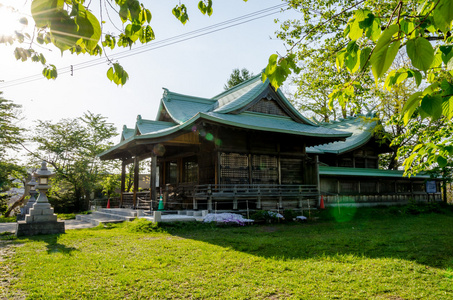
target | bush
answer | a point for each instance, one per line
(265, 216)
(143, 226)
(414, 208)
(290, 215)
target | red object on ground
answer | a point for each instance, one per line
(321, 205)
(108, 203)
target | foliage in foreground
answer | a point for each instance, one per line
(365, 38)
(373, 255)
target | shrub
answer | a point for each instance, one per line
(290, 215)
(143, 226)
(265, 216)
(414, 208)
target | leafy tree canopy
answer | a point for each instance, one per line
(71, 147)
(10, 137)
(236, 77)
(71, 26)
(365, 38)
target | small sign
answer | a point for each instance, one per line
(431, 187)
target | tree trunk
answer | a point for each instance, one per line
(14, 205)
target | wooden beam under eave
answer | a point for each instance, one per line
(136, 180)
(153, 185)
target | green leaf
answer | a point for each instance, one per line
(117, 74)
(339, 61)
(442, 161)
(447, 107)
(123, 13)
(420, 52)
(64, 31)
(418, 77)
(364, 58)
(437, 61)
(89, 29)
(407, 26)
(202, 7)
(410, 106)
(374, 31)
(50, 72)
(355, 31)
(384, 52)
(443, 15)
(403, 76)
(432, 106)
(110, 74)
(23, 21)
(43, 11)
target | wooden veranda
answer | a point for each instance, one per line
(227, 197)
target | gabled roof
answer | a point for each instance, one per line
(361, 127)
(183, 107)
(179, 113)
(127, 133)
(143, 126)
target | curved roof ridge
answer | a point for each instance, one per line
(169, 96)
(237, 87)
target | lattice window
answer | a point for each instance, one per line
(234, 168)
(345, 162)
(368, 187)
(291, 170)
(387, 186)
(403, 187)
(190, 171)
(360, 162)
(419, 187)
(264, 169)
(269, 107)
(349, 186)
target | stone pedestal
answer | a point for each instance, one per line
(26, 229)
(40, 220)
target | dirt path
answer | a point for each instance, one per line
(7, 276)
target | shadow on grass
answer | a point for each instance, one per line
(366, 232)
(53, 246)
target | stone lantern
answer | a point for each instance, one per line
(32, 191)
(41, 218)
(32, 184)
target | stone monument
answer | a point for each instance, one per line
(24, 211)
(40, 218)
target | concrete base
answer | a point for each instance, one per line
(37, 228)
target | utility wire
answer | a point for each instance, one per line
(155, 45)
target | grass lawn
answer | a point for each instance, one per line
(363, 254)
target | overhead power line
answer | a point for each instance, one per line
(155, 45)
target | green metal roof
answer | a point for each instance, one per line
(340, 171)
(273, 123)
(127, 133)
(143, 126)
(227, 108)
(361, 128)
(183, 107)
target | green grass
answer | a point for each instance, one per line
(363, 254)
(70, 216)
(7, 219)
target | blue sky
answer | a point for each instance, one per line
(198, 67)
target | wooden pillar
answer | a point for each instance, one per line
(123, 181)
(209, 198)
(152, 183)
(136, 180)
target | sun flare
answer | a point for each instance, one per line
(10, 20)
